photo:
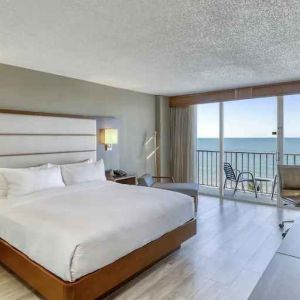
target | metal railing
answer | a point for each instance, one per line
(260, 164)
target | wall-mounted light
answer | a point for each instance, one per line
(108, 137)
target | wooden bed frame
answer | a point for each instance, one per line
(104, 280)
(100, 282)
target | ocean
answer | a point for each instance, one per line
(291, 145)
(255, 155)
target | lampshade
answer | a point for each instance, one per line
(108, 137)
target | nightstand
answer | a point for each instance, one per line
(129, 179)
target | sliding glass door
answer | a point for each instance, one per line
(291, 130)
(250, 147)
(247, 136)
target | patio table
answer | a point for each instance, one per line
(259, 180)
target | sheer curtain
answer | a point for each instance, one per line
(183, 143)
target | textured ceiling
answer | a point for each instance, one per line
(163, 47)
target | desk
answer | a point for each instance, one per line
(281, 278)
(280, 281)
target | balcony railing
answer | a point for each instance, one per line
(260, 164)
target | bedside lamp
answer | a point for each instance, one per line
(108, 137)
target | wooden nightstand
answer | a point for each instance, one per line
(129, 179)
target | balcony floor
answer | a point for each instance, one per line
(239, 195)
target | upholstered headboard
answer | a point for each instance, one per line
(29, 139)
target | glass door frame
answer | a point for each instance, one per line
(279, 143)
(221, 149)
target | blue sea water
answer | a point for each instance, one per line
(291, 145)
(255, 155)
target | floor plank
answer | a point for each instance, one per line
(234, 244)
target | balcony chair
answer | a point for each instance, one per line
(190, 189)
(238, 177)
(289, 188)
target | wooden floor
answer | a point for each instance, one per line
(234, 244)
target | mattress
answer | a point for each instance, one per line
(75, 230)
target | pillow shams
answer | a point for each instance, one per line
(3, 183)
(79, 173)
(86, 161)
(25, 181)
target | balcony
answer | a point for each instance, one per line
(260, 164)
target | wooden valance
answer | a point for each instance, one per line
(278, 89)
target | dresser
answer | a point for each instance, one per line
(281, 279)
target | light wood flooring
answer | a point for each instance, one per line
(234, 244)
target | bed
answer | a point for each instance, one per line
(74, 231)
(79, 242)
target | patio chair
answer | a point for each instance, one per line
(289, 188)
(238, 177)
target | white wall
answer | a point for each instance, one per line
(25, 89)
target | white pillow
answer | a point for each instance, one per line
(21, 182)
(86, 161)
(78, 173)
(3, 183)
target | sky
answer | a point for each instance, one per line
(249, 118)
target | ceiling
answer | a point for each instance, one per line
(163, 47)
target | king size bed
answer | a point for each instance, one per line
(80, 241)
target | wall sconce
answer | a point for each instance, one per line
(108, 137)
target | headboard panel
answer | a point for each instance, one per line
(28, 140)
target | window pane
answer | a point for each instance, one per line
(292, 130)
(248, 141)
(208, 144)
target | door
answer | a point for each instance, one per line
(288, 131)
(250, 147)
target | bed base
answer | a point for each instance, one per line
(100, 282)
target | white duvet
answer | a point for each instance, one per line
(75, 230)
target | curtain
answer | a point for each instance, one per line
(183, 143)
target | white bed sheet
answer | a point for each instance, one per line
(75, 230)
